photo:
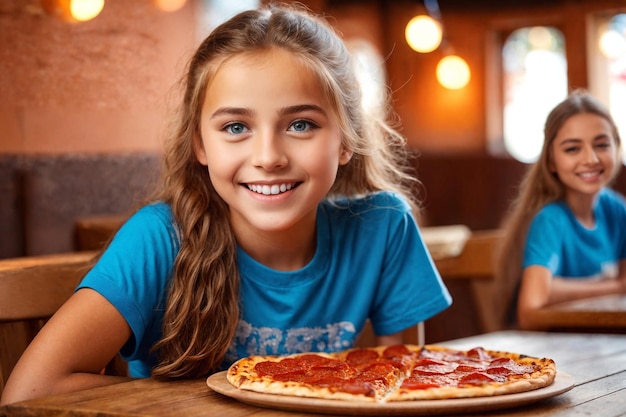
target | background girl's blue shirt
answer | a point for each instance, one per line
(370, 263)
(557, 241)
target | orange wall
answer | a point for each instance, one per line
(98, 86)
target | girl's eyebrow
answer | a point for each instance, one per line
(568, 141)
(602, 136)
(232, 111)
(302, 108)
(240, 111)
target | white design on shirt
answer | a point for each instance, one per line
(250, 340)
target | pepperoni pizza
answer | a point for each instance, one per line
(396, 373)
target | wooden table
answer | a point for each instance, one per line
(598, 314)
(596, 362)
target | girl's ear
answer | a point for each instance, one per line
(345, 156)
(198, 149)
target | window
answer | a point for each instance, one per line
(214, 12)
(370, 72)
(535, 80)
(607, 65)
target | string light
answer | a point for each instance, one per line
(453, 72)
(169, 5)
(74, 10)
(423, 34)
(612, 44)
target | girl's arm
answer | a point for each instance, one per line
(390, 339)
(71, 350)
(621, 275)
(540, 289)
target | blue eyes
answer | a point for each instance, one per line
(237, 128)
(300, 126)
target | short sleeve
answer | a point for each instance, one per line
(544, 241)
(133, 272)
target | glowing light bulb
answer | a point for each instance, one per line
(169, 5)
(74, 10)
(423, 34)
(453, 72)
(83, 10)
(612, 44)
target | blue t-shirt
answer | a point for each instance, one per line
(557, 240)
(370, 263)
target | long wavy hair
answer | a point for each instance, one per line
(541, 186)
(202, 308)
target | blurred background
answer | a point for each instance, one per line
(84, 98)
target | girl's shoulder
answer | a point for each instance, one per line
(612, 201)
(555, 208)
(611, 196)
(154, 218)
(555, 213)
(156, 210)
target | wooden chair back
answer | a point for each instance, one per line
(31, 290)
(476, 260)
(93, 232)
(476, 265)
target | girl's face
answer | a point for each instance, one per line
(270, 141)
(584, 154)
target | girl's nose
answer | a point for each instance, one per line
(269, 152)
(590, 156)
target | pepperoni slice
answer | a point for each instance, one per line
(402, 364)
(477, 378)
(326, 381)
(361, 356)
(433, 367)
(509, 368)
(466, 368)
(478, 353)
(428, 362)
(379, 371)
(274, 368)
(355, 386)
(397, 351)
(501, 361)
(295, 375)
(312, 360)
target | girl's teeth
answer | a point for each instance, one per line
(588, 174)
(270, 189)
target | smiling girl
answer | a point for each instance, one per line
(285, 223)
(566, 234)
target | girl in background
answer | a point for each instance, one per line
(566, 234)
(284, 224)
